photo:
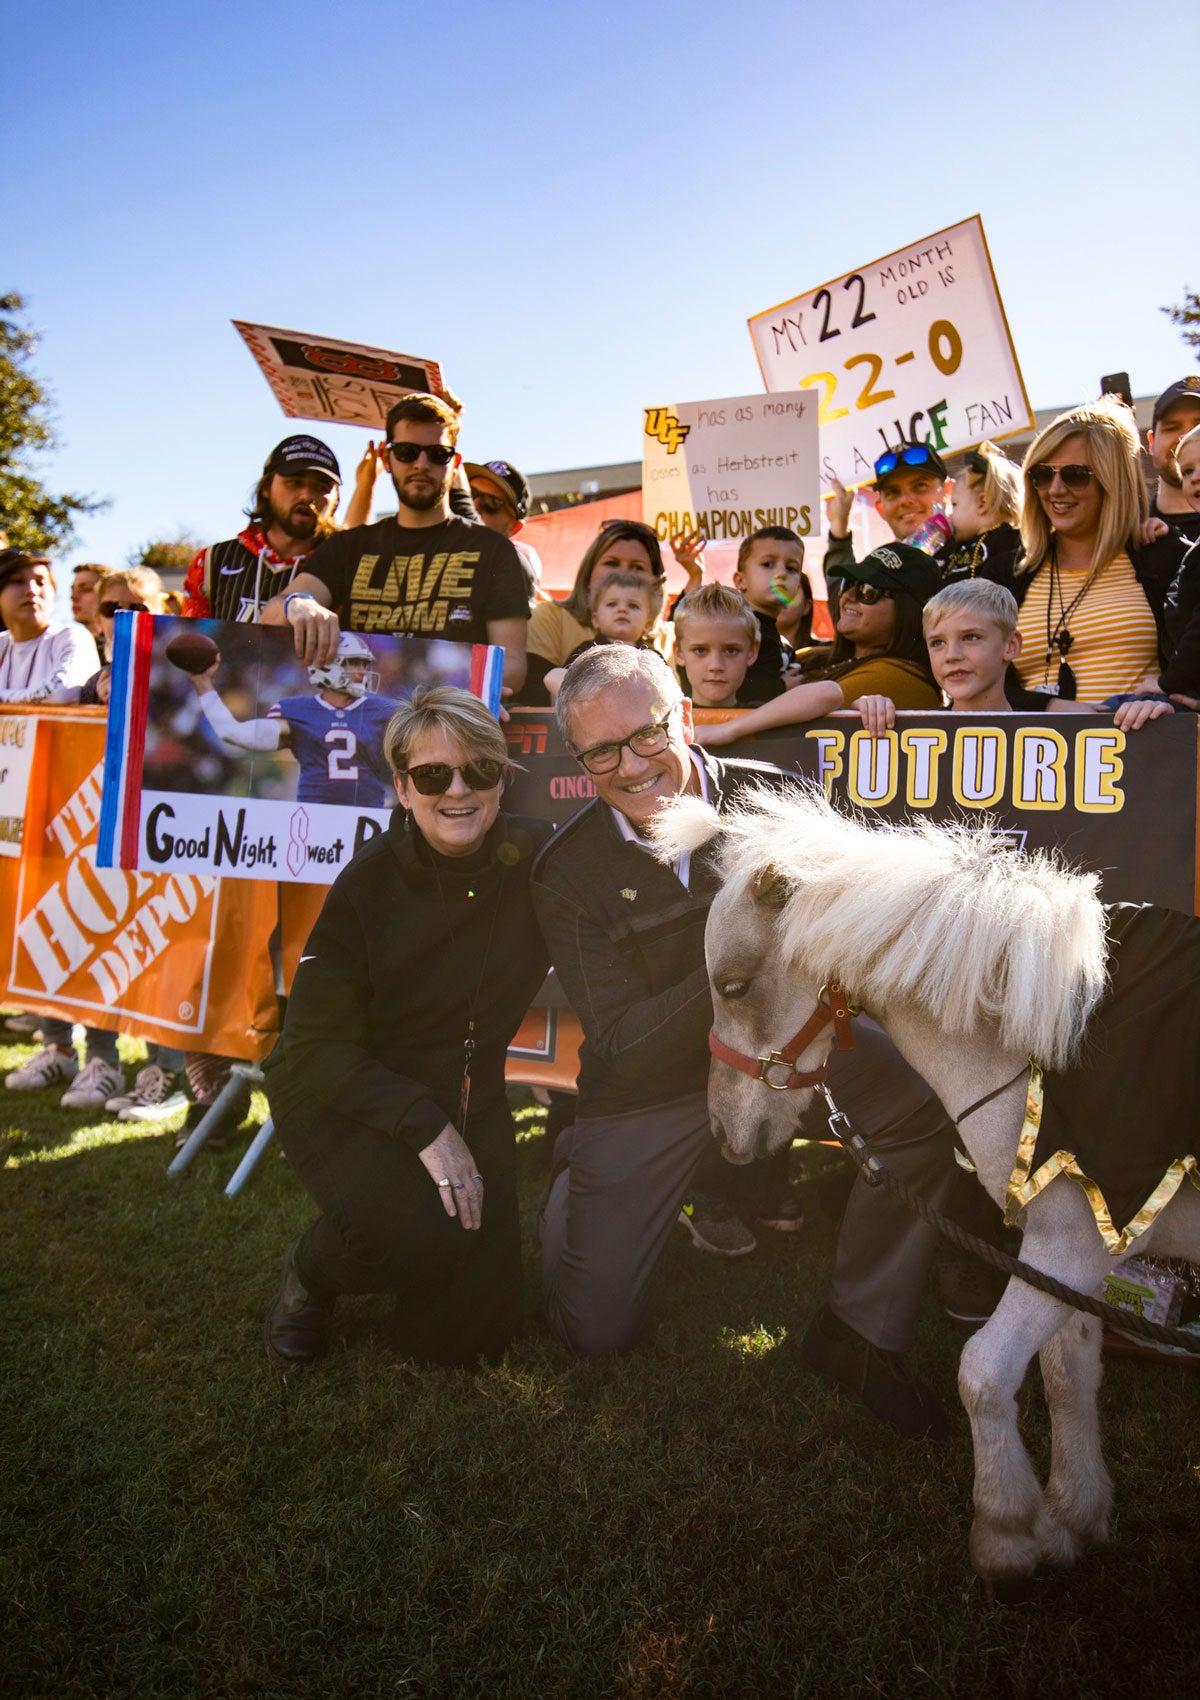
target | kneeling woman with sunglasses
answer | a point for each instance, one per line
(879, 650)
(387, 1085)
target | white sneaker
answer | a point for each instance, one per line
(154, 1097)
(23, 1023)
(93, 1086)
(46, 1068)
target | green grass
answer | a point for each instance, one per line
(697, 1519)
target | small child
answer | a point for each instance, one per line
(1180, 678)
(622, 607)
(985, 511)
(770, 575)
(1187, 459)
(716, 644)
(971, 634)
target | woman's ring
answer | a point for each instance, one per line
(458, 1185)
(445, 1183)
(478, 1178)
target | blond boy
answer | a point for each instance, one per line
(716, 643)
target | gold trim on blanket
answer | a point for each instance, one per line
(1023, 1186)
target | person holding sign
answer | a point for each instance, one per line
(880, 648)
(910, 488)
(387, 1085)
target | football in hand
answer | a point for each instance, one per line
(192, 652)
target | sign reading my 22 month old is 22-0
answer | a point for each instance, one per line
(318, 377)
(914, 347)
(726, 468)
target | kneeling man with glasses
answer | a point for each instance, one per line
(626, 935)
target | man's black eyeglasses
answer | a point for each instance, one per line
(649, 740)
(433, 778)
(110, 610)
(437, 454)
(1041, 476)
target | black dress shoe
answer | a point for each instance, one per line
(297, 1326)
(879, 1381)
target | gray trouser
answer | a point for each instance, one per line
(620, 1180)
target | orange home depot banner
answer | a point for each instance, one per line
(180, 958)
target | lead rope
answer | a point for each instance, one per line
(874, 1173)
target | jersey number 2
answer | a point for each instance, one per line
(343, 748)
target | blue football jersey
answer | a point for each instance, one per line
(340, 750)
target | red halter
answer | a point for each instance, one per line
(832, 1005)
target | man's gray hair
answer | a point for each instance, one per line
(610, 664)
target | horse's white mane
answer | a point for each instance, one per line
(948, 916)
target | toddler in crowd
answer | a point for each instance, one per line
(622, 608)
(770, 575)
(1180, 678)
(971, 634)
(985, 511)
(716, 644)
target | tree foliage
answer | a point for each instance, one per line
(166, 554)
(31, 516)
(1187, 317)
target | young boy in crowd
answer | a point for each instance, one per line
(770, 575)
(716, 644)
(621, 609)
(971, 634)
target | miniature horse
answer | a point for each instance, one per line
(975, 959)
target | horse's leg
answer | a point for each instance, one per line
(1079, 1491)
(1011, 1530)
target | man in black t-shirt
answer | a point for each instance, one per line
(421, 572)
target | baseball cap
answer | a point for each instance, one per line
(12, 561)
(500, 472)
(897, 566)
(1189, 386)
(303, 454)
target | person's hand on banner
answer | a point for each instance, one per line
(878, 714)
(452, 1169)
(315, 626)
(688, 549)
(838, 505)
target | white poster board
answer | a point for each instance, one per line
(346, 383)
(729, 467)
(17, 734)
(912, 347)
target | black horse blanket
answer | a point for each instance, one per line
(1123, 1123)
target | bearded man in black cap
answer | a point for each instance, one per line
(292, 511)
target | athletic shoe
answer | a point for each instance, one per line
(879, 1381)
(93, 1086)
(47, 1068)
(154, 1096)
(22, 1023)
(715, 1228)
(225, 1130)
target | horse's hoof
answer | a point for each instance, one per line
(1009, 1590)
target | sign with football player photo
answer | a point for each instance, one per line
(727, 468)
(912, 348)
(346, 383)
(228, 755)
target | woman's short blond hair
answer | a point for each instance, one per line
(1116, 451)
(143, 581)
(999, 487)
(445, 708)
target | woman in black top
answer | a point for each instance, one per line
(387, 1086)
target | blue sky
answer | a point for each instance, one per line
(573, 209)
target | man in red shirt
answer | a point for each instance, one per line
(293, 510)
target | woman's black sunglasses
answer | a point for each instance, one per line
(433, 778)
(1041, 476)
(110, 610)
(868, 594)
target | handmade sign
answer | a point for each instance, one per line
(347, 383)
(729, 467)
(914, 347)
(16, 760)
(227, 755)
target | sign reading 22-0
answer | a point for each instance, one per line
(913, 347)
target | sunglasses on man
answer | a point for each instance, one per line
(408, 454)
(915, 454)
(1041, 476)
(486, 503)
(434, 778)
